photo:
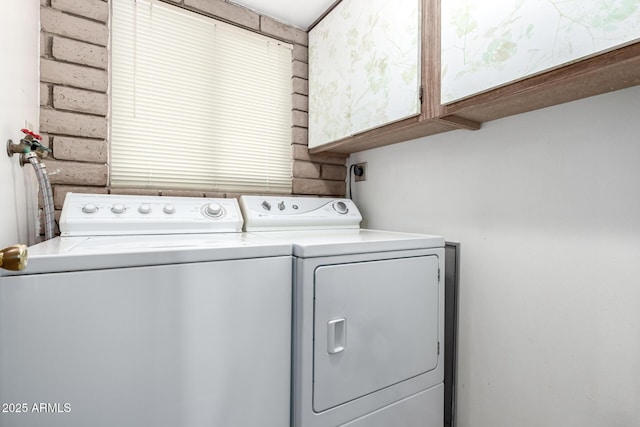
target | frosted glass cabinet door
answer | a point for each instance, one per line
(487, 45)
(364, 68)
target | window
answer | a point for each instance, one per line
(197, 103)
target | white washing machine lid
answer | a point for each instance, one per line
(63, 254)
(317, 243)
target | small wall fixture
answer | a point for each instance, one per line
(14, 257)
(30, 149)
(29, 144)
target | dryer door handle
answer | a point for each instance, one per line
(336, 335)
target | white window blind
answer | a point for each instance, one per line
(197, 103)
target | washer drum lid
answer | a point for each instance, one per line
(62, 254)
(390, 328)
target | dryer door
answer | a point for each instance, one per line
(375, 325)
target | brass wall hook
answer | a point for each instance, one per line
(14, 257)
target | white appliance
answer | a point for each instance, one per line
(368, 329)
(120, 324)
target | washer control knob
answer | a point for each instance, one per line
(213, 209)
(89, 208)
(118, 208)
(281, 206)
(266, 205)
(144, 209)
(169, 209)
(341, 207)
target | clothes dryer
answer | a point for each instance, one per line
(149, 311)
(368, 324)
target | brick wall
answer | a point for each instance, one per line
(74, 98)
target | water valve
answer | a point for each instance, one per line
(30, 143)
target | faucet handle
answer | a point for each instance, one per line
(14, 257)
(33, 139)
(31, 134)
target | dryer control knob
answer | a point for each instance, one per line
(118, 208)
(89, 208)
(266, 205)
(341, 207)
(144, 209)
(169, 209)
(213, 210)
(281, 206)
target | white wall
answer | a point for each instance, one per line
(19, 101)
(546, 206)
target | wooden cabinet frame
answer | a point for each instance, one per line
(601, 73)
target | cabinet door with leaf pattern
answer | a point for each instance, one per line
(487, 45)
(364, 68)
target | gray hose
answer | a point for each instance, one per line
(47, 195)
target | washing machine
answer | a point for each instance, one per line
(148, 311)
(368, 324)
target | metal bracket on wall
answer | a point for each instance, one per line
(20, 148)
(14, 148)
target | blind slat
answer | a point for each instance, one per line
(197, 103)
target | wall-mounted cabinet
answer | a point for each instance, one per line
(487, 47)
(364, 68)
(372, 81)
(486, 63)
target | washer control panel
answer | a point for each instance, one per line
(272, 213)
(111, 214)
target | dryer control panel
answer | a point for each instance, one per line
(273, 213)
(111, 214)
